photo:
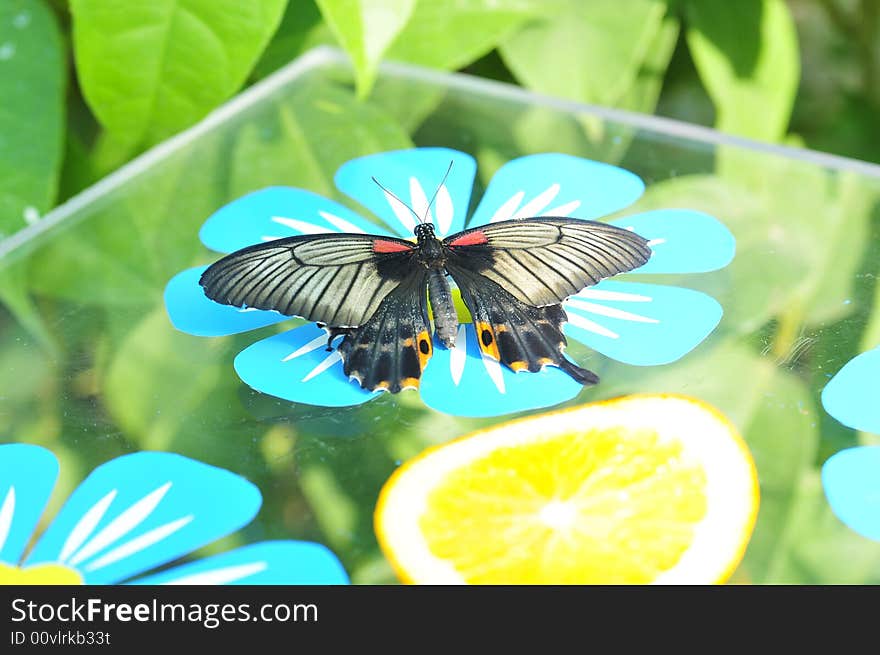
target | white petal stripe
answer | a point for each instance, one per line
(444, 209)
(301, 226)
(122, 524)
(329, 361)
(85, 526)
(584, 323)
(493, 368)
(340, 223)
(138, 544)
(419, 200)
(610, 312)
(563, 210)
(401, 211)
(458, 356)
(7, 511)
(221, 576)
(506, 210)
(537, 204)
(621, 296)
(314, 344)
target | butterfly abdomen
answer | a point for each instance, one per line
(443, 308)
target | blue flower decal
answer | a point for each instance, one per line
(640, 324)
(851, 477)
(851, 395)
(138, 512)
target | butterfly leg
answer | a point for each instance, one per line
(333, 332)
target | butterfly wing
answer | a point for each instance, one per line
(541, 261)
(336, 279)
(392, 348)
(522, 336)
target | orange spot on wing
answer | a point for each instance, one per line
(486, 339)
(424, 347)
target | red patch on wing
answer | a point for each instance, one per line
(476, 238)
(381, 245)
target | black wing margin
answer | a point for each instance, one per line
(541, 261)
(335, 279)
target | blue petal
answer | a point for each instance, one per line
(461, 382)
(851, 479)
(139, 511)
(191, 311)
(413, 176)
(27, 475)
(278, 212)
(641, 324)
(851, 397)
(556, 185)
(683, 241)
(266, 563)
(296, 366)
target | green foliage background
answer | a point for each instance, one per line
(87, 85)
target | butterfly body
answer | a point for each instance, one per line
(513, 276)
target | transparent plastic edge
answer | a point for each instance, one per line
(658, 124)
(329, 55)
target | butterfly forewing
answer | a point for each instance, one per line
(544, 260)
(338, 280)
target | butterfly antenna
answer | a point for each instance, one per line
(412, 211)
(434, 197)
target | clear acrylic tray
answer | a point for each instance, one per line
(91, 367)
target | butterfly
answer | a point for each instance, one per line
(375, 291)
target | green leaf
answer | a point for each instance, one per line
(408, 101)
(871, 336)
(834, 210)
(449, 34)
(746, 54)
(150, 69)
(366, 28)
(26, 377)
(830, 233)
(124, 254)
(31, 111)
(818, 549)
(301, 28)
(643, 94)
(166, 389)
(302, 141)
(769, 261)
(586, 51)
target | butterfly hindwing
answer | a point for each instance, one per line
(520, 336)
(335, 279)
(541, 261)
(391, 349)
